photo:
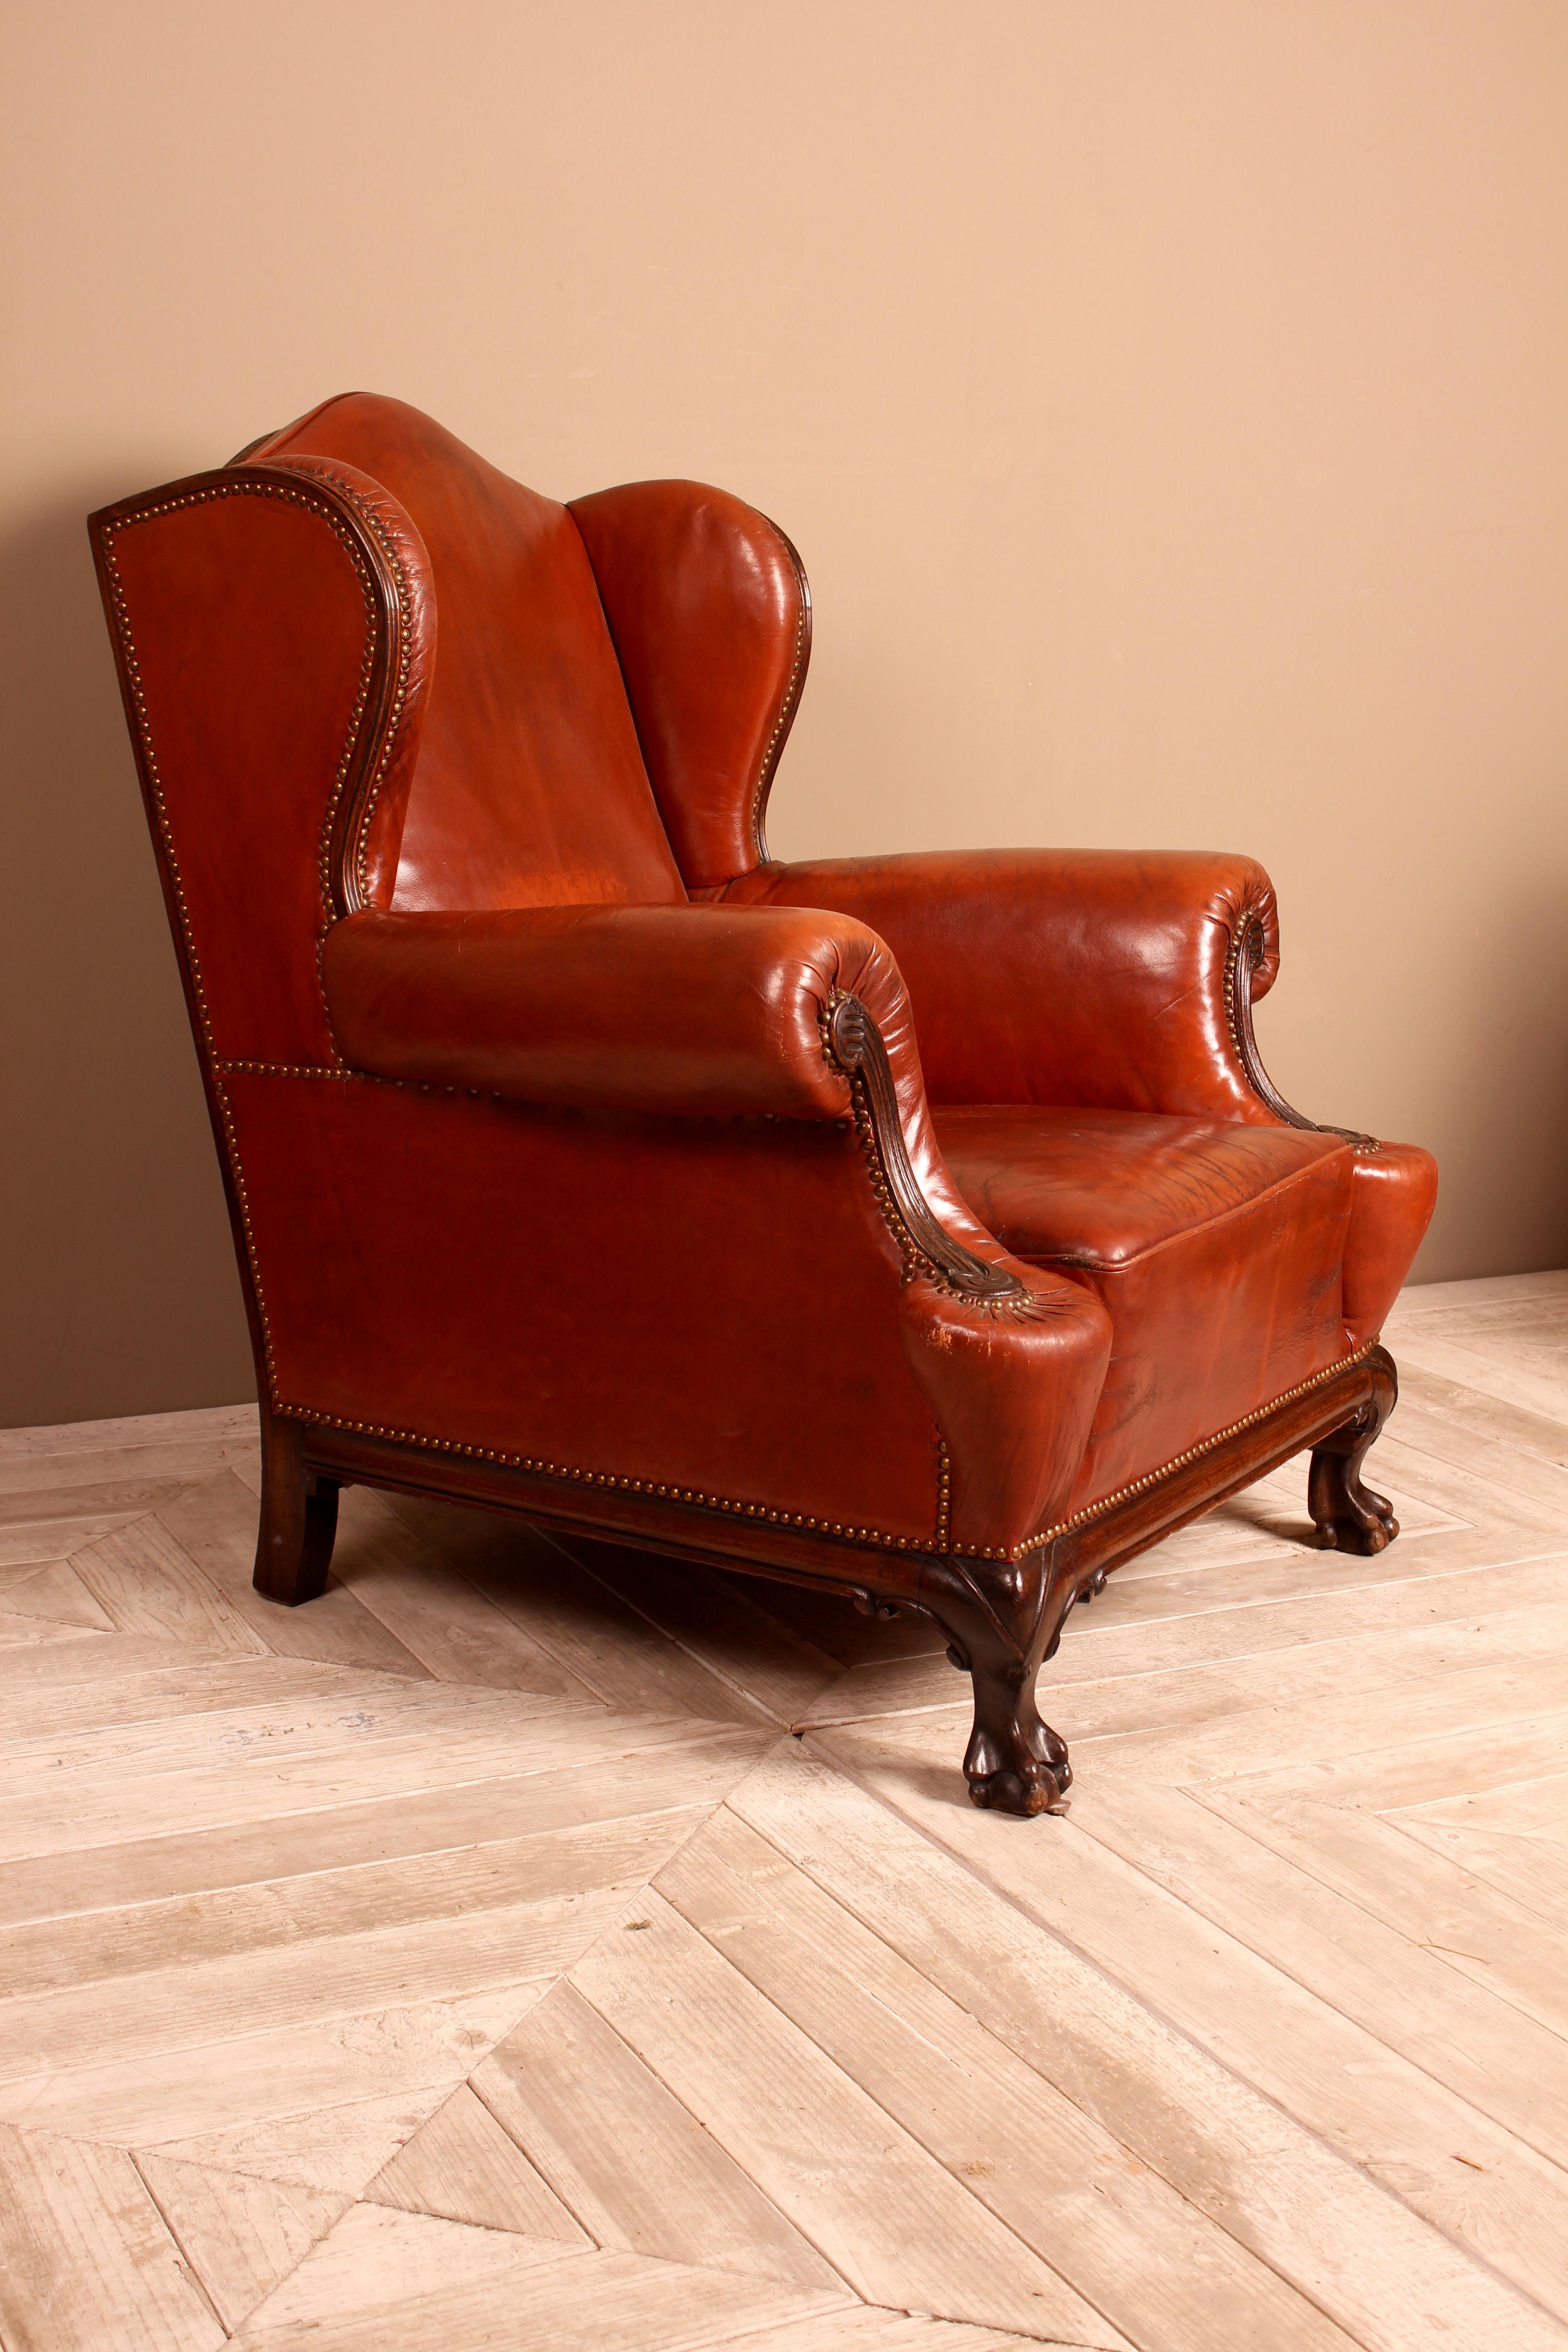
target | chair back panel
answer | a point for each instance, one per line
(529, 788)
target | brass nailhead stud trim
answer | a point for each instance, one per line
(1193, 1454)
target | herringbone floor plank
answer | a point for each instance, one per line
(531, 1942)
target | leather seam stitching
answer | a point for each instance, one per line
(347, 1074)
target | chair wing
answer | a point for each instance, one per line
(530, 788)
(711, 614)
(276, 630)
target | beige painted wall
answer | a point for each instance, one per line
(1170, 402)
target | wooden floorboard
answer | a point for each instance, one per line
(474, 1957)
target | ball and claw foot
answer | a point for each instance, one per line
(1369, 1527)
(1017, 1765)
(1347, 1515)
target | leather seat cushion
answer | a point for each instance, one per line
(1217, 1249)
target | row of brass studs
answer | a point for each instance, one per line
(1243, 923)
(373, 524)
(786, 705)
(347, 1077)
(1168, 1469)
(609, 1478)
(915, 1260)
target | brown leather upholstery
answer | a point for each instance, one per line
(642, 1299)
(1103, 979)
(536, 1163)
(1186, 1230)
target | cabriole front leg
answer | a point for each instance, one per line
(1002, 1620)
(298, 1517)
(1349, 1517)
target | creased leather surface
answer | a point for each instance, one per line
(529, 788)
(1094, 977)
(711, 623)
(1216, 1251)
(1099, 1188)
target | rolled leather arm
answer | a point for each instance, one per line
(1098, 978)
(702, 1010)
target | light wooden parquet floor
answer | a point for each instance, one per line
(516, 1947)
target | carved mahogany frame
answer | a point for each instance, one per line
(1246, 949)
(854, 1041)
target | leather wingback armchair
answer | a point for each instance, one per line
(920, 1227)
